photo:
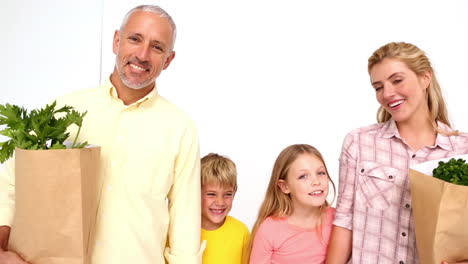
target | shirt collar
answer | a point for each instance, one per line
(110, 90)
(443, 140)
(390, 129)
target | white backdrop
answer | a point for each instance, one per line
(256, 76)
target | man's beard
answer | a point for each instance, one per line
(128, 83)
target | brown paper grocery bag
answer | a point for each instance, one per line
(441, 218)
(56, 204)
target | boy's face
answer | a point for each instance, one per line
(216, 204)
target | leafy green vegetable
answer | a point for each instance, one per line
(39, 129)
(454, 171)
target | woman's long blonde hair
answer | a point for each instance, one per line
(277, 203)
(417, 61)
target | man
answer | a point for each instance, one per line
(150, 167)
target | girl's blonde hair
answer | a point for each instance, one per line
(277, 203)
(417, 61)
(218, 170)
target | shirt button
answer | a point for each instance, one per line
(414, 156)
(407, 205)
(390, 177)
(403, 234)
(401, 262)
(362, 170)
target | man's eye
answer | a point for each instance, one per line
(132, 38)
(156, 47)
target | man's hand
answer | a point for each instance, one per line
(464, 262)
(8, 257)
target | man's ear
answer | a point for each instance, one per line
(283, 186)
(115, 43)
(169, 60)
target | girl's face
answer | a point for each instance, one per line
(306, 182)
(399, 90)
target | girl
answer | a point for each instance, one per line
(294, 222)
(374, 221)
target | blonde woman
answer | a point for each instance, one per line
(294, 222)
(374, 219)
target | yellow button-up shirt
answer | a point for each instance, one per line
(150, 177)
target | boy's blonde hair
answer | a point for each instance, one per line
(220, 170)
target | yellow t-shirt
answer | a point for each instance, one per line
(227, 244)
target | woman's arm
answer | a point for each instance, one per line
(340, 247)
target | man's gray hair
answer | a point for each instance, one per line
(153, 9)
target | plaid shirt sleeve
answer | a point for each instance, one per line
(344, 210)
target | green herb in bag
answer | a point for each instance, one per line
(454, 171)
(39, 129)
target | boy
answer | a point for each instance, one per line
(227, 238)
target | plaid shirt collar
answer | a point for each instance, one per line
(390, 129)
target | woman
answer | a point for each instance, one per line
(374, 220)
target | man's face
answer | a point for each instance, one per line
(143, 49)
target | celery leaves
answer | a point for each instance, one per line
(39, 129)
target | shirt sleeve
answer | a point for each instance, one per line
(7, 192)
(262, 248)
(346, 186)
(184, 204)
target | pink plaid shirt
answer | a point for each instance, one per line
(374, 199)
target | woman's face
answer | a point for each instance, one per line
(399, 90)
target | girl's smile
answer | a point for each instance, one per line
(306, 182)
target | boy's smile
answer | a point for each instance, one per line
(216, 204)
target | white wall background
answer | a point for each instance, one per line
(256, 76)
